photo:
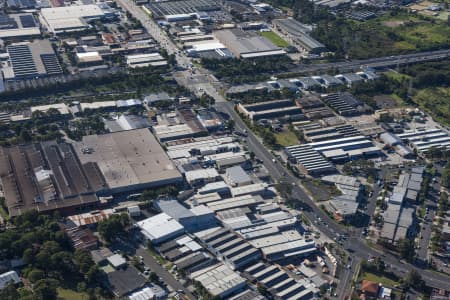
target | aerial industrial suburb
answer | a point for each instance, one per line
(224, 149)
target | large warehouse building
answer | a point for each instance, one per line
(270, 109)
(299, 33)
(18, 26)
(35, 59)
(247, 44)
(128, 160)
(73, 18)
(46, 177)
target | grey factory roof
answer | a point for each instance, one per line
(248, 295)
(183, 7)
(243, 43)
(330, 80)
(342, 180)
(174, 209)
(416, 176)
(406, 217)
(237, 175)
(308, 82)
(235, 202)
(128, 159)
(390, 139)
(311, 160)
(125, 280)
(343, 207)
(192, 260)
(352, 77)
(299, 32)
(418, 170)
(219, 280)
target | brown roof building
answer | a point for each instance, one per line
(46, 177)
(370, 289)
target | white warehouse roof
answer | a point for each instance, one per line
(159, 227)
(7, 278)
(70, 17)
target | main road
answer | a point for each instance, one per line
(277, 170)
(379, 62)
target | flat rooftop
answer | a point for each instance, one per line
(128, 159)
(243, 43)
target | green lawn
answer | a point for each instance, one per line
(71, 295)
(286, 138)
(379, 279)
(275, 38)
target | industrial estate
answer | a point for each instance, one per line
(203, 149)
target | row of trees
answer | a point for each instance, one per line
(41, 127)
(50, 259)
(248, 70)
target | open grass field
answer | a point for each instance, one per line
(286, 138)
(71, 295)
(275, 39)
(436, 101)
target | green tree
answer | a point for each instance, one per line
(114, 226)
(406, 249)
(35, 275)
(230, 124)
(379, 265)
(285, 189)
(415, 280)
(45, 289)
(153, 277)
(28, 256)
(446, 176)
(83, 260)
(25, 135)
(9, 293)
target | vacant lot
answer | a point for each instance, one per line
(275, 38)
(387, 101)
(286, 138)
(436, 101)
(319, 190)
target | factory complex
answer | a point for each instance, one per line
(64, 176)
